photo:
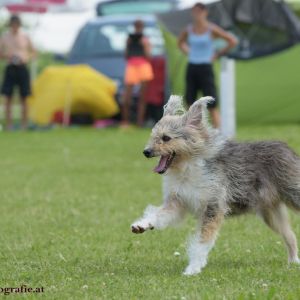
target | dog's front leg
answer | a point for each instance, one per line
(202, 242)
(159, 217)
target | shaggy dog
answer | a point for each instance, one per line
(213, 178)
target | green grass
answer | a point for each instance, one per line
(68, 198)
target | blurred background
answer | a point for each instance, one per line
(92, 34)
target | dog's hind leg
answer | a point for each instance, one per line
(171, 212)
(277, 219)
(203, 241)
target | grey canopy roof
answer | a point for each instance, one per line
(262, 27)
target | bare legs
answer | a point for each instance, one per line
(8, 113)
(141, 107)
(215, 117)
(126, 104)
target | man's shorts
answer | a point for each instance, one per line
(16, 76)
(138, 71)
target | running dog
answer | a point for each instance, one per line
(212, 178)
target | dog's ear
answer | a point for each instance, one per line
(174, 106)
(197, 112)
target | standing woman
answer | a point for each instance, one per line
(138, 72)
(196, 41)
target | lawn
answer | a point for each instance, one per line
(68, 198)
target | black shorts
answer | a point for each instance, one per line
(200, 78)
(16, 76)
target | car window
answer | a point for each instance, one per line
(110, 40)
(133, 7)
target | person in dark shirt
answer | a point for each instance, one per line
(138, 71)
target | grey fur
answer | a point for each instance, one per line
(258, 175)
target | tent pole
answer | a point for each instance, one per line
(68, 104)
(227, 97)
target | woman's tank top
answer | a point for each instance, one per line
(201, 47)
(135, 46)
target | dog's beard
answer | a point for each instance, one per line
(164, 163)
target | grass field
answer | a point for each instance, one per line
(68, 198)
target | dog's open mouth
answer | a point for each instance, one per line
(164, 163)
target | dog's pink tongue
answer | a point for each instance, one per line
(161, 165)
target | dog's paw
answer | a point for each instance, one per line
(192, 270)
(140, 227)
(137, 229)
(294, 261)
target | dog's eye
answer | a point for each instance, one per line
(166, 138)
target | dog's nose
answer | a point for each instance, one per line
(147, 152)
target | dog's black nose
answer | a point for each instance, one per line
(147, 152)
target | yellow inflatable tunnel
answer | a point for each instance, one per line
(71, 89)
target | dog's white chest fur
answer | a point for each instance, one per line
(191, 186)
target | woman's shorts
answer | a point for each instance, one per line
(136, 73)
(200, 78)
